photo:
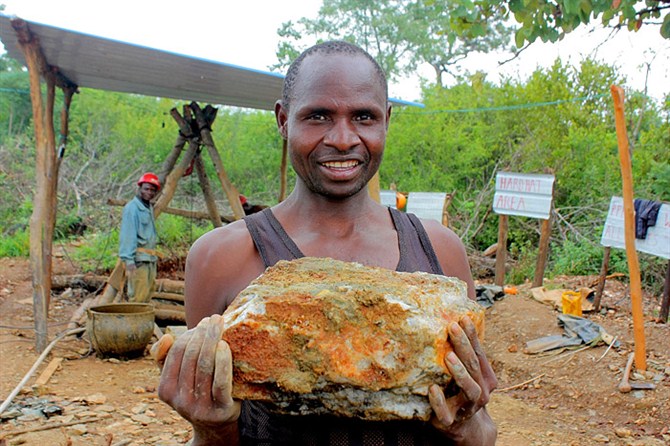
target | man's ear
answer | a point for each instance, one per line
(281, 115)
(389, 109)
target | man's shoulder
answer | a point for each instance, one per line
(228, 238)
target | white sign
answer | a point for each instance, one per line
(657, 241)
(387, 198)
(523, 194)
(428, 205)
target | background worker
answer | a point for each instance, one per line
(334, 115)
(138, 239)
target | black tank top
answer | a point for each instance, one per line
(274, 244)
(260, 427)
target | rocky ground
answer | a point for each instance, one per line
(566, 398)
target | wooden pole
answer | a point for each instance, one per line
(41, 218)
(175, 211)
(602, 278)
(543, 252)
(207, 192)
(206, 137)
(173, 178)
(373, 188)
(629, 228)
(665, 302)
(501, 253)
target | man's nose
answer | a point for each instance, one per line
(342, 135)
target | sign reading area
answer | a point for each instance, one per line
(524, 195)
(657, 241)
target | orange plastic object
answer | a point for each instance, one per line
(572, 303)
(510, 290)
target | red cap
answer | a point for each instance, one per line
(150, 178)
(243, 199)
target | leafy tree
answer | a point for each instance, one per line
(400, 34)
(551, 20)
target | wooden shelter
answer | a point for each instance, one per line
(70, 60)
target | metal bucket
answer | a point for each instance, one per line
(122, 329)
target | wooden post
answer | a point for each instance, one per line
(207, 192)
(173, 178)
(602, 278)
(206, 137)
(501, 253)
(373, 188)
(283, 171)
(174, 211)
(543, 252)
(41, 220)
(665, 302)
(629, 228)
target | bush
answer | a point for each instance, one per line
(16, 244)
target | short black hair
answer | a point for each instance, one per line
(329, 47)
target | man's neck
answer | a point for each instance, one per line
(144, 202)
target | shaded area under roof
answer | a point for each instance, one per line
(106, 64)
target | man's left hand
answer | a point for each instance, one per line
(461, 414)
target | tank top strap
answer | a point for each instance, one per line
(271, 240)
(416, 250)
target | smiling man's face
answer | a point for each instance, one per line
(336, 124)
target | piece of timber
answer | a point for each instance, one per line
(321, 336)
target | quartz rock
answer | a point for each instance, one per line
(318, 336)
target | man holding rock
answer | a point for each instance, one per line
(334, 115)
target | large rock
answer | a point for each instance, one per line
(320, 336)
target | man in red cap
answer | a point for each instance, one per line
(138, 238)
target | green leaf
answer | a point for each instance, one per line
(665, 27)
(571, 7)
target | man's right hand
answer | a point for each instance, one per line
(197, 381)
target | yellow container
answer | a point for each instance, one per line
(572, 303)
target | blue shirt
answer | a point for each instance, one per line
(138, 230)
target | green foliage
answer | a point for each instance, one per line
(400, 34)
(97, 251)
(550, 21)
(559, 120)
(575, 258)
(16, 245)
(177, 234)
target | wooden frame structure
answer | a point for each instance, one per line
(194, 130)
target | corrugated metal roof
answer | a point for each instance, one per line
(105, 64)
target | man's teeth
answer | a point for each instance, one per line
(341, 164)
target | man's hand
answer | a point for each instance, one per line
(463, 417)
(197, 381)
(130, 269)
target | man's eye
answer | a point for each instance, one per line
(364, 117)
(317, 117)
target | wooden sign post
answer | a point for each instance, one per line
(523, 195)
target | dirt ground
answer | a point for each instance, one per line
(567, 398)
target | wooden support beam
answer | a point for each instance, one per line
(629, 228)
(175, 175)
(204, 127)
(207, 192)
(175, 211)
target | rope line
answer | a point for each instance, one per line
(505, 107)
